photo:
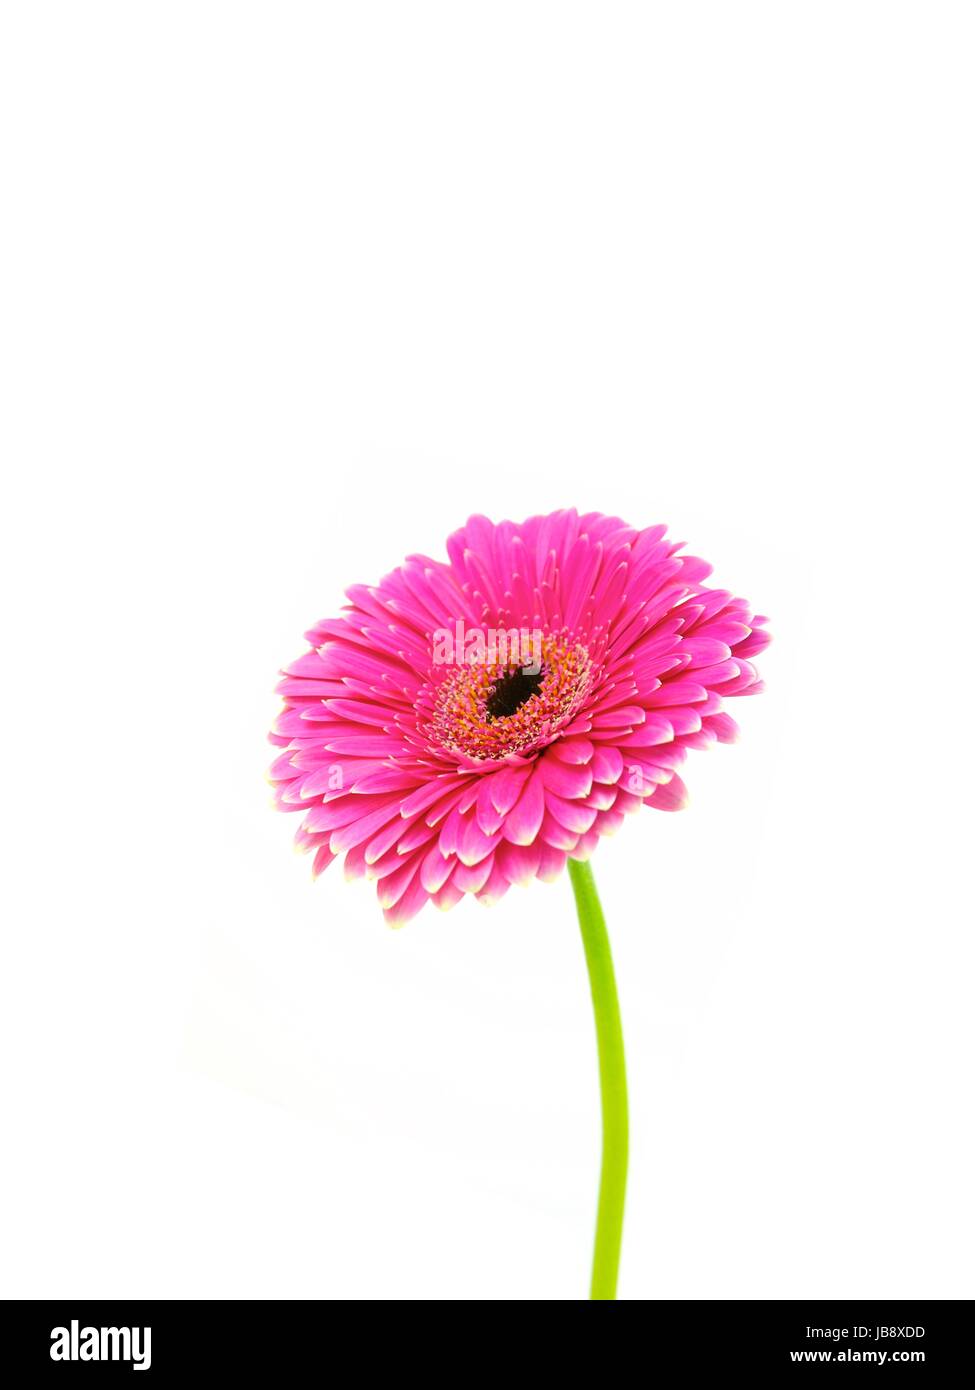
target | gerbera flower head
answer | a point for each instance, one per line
(467, 725)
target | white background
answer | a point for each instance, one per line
(287, 292)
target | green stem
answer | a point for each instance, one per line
(612, 1082)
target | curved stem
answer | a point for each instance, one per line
(612, 1082)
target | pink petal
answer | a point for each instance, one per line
(524, 821)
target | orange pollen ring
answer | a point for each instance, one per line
(462, 720)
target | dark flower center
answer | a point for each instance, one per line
(510, 691)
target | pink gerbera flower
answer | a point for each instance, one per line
(471, 724)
